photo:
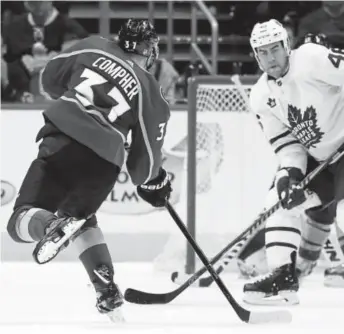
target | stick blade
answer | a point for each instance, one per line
(140, 297)
(280, 316)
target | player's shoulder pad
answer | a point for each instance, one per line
(309, 52)
(85, 43)
(93, 39)
(145, 75)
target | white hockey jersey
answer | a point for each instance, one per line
(303, 112)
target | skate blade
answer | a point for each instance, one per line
(334, 281)
(284, 298)
(116, 316)
(46, 250)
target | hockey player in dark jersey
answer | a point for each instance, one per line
(102, 92)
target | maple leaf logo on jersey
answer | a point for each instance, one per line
(271, 102)
(305, 128)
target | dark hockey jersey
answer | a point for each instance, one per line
(102, 96)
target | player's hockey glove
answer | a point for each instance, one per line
(156, 191)
(287, 180)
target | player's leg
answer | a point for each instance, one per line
(71, 167)
(94, 254)
(334, 254)
(94, 179)
(282, 237)
(335, 276)
(39, 196)
(277, 240)
(340, 236)
(316, 218)
(248, 258)
(316, 230)
(338, 170)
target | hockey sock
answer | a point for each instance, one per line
(313, 238)
(282, 237)
(253, 246)
(340, 235)
(93, 251)
(30, 224)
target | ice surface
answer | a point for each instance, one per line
(54, 298)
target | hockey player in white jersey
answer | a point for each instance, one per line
(299, 102)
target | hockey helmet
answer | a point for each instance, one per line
(320, 39)
(269, 32)
(139, 36)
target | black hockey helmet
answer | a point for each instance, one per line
(316, 39)
(139, 36)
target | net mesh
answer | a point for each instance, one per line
(220, 98)
(209, 135)
(212, 155)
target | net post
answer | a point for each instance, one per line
(191, 173)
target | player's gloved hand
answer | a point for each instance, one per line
(156, 191)
(286, 181)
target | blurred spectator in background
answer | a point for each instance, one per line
(167, 76)
(62, 6)
(278, 10)
(327, 20)
(8, 93)
(290, 22)
(11, 9)
(32, 39)
(191, 70)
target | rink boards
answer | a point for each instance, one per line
(134, 230)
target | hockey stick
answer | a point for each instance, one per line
(141, 297)
(228, 254)
(251, 317)
(331, 251)
(207, 281)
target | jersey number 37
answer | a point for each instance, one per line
(85, 94)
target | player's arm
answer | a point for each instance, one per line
(144, 161)
(145, 154)
(326, 65)
(55, 76)
(291, 154)
(289, 150)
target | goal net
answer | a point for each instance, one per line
(234, 169)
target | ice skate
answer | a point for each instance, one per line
(276, 288)
(109, 297)
(57, 237)
(334, 277)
